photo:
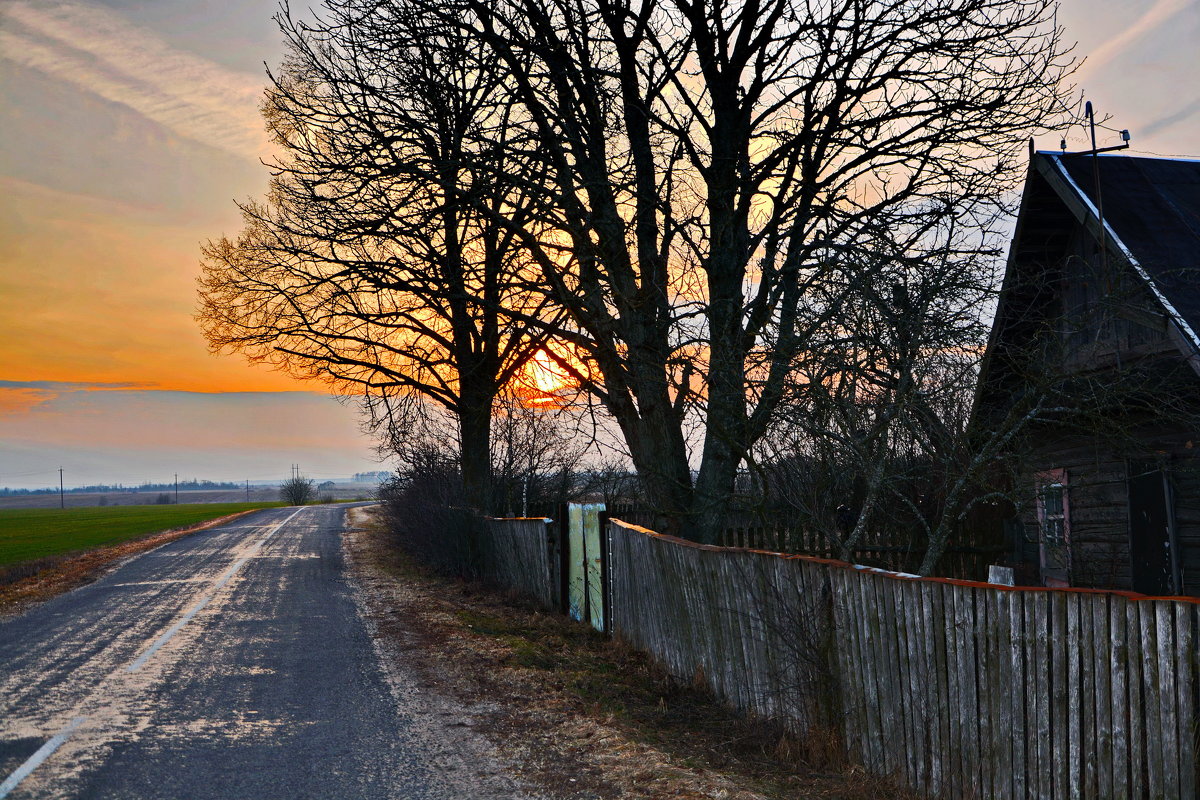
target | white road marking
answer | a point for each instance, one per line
(56, 741)
(43, 752)
(166, 636)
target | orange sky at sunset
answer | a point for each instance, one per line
(129, 127)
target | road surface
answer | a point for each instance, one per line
(232, 663)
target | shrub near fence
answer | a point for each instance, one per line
(960, 689)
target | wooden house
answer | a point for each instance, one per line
(1094, 364)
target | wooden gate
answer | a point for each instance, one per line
(584, 569)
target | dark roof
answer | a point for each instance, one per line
(1152, 210)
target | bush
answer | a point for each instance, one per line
(163, 499)
(426, 513)
(297, 491)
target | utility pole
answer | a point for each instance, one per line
(176, 488)
(62, 498)
(247, 490)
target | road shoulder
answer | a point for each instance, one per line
(570, 712)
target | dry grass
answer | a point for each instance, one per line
(581, 715)
(30, 582)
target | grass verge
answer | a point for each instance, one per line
(581, 715)
(37, 533)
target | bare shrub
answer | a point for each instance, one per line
(297, 491)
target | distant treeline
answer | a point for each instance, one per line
(191, 485)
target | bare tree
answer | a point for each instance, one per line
(705, 171)
(297, 491)
(375, 262)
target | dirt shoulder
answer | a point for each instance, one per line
(576, 714)
(39, 581)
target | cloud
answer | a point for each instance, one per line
(101, 52)
(1171, 120)
(1157, 15)
(20, 397)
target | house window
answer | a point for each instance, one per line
(1054, 528)
(1054, 520)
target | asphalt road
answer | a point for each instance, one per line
(233, 663)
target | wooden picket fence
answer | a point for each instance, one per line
(515, 554)
(960, 689)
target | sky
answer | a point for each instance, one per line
(127, 130)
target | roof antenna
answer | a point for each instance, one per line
(1087, 109)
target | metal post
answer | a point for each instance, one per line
(62, 500)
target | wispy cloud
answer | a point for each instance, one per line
(101, 52)
(1173, 119)
(17, 397)
(1155, 16)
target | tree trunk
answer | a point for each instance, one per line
(475, 444)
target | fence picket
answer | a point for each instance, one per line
(1102, 645)
(1168, 668)
(1152, 699)
(1186, 683)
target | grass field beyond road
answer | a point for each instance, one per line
(28, 534)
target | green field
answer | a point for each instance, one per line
(27, 534)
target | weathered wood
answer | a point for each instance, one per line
(1152, 700)
(1087, 695)
(887, 667)
(957, 780)
(988, 680)
(972, 772)
(959, 690)
(1168, 667)
(516, 557)
(1037, 609)
(1137, 727)
(1075, 743)
(1101, 661)
(1118, 697)
(868, 621)
(934, 677)
(1019, 761)
(1186, 683)
(1059, 697)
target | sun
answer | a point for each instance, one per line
(542, 382)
